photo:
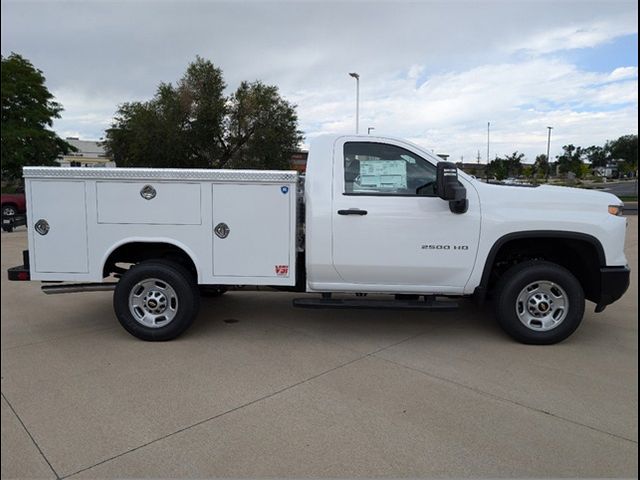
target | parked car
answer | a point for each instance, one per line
(13, 204)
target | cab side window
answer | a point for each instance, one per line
(382, 169)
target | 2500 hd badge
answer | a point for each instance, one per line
(445, 247)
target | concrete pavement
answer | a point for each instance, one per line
(258, 388)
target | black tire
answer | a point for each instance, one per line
(9, 211)
(507, 306)
(212, 291)
(184, 294)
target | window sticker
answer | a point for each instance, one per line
(383, 174)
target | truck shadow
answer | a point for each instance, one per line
(264, 309)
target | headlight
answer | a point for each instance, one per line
(616, 210)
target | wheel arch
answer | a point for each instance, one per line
(134, 250)
(580, 253)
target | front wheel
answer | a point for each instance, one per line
(156, 300)
(539, 302)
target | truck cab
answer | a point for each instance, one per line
(379, 225)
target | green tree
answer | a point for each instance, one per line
(514, 164)
(28, 111)
(498, 168)
(541, 166)
(193, 124)
(597, 156)
(571, 160)
(585, 171)
(510, 166)
(625, 148)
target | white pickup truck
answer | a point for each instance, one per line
(374, 215)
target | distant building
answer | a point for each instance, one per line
(611, 170)
(90, 154)
(299, 160)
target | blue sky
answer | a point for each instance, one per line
(621, 51)
(434, 72)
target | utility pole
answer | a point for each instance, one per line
(548, 148)
(357, 77)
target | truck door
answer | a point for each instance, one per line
(389, 227)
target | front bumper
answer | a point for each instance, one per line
(614, 282)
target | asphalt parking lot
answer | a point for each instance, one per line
(257, 388)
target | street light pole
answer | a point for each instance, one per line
(369, 130)
(488, 132)
(548, 147)
(357, 77)
(487, 168)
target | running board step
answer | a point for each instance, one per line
(78, 287)
(360, 303)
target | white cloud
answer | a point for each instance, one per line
(623, 73)
(449, 112)
(579, 35)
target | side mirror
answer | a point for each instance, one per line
(449, 188)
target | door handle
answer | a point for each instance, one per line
(352, 211)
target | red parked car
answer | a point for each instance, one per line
(13, 204)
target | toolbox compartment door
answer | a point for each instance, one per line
(259, 238)
(61, 208)
(149, 203)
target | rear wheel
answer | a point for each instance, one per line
(539, 302)
(156, 300)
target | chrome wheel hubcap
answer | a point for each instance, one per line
(153, 303)
(542, 305)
